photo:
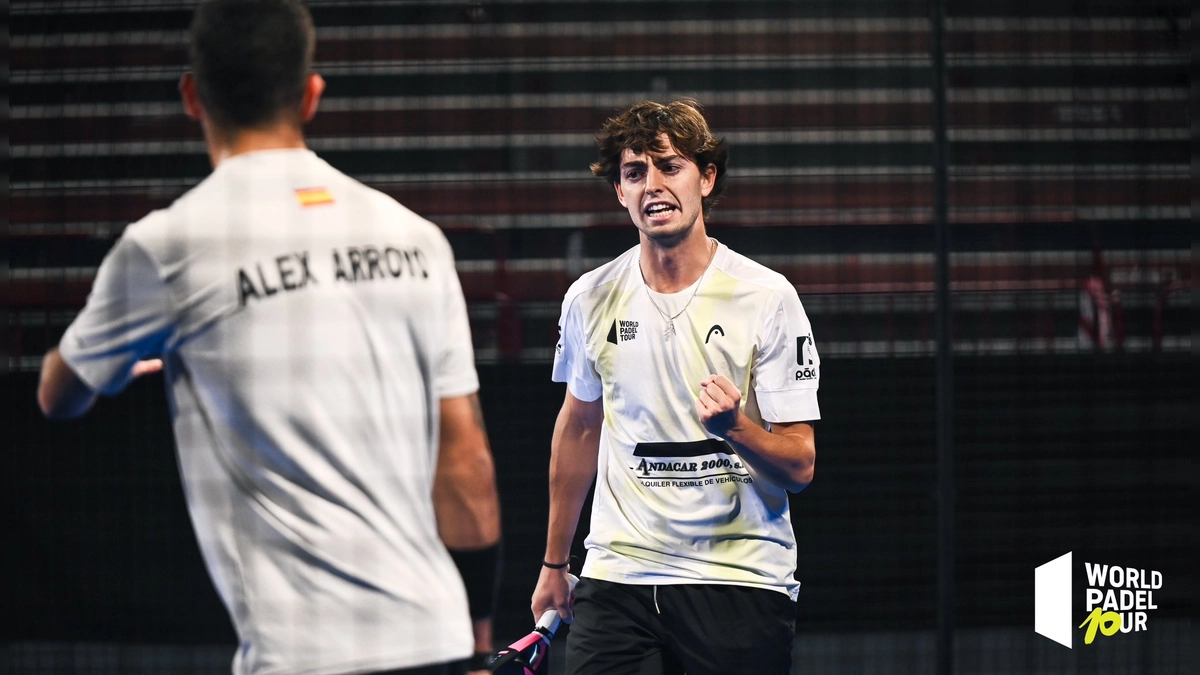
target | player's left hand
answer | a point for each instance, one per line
(719, 404)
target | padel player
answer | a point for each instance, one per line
(691, 388)
(319, 365)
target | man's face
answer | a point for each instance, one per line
(663, 192)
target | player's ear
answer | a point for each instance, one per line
(313, 88)
(620, 192)
(191, 100)
(708, 178)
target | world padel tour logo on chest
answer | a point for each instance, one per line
(1116, 599)
(624, 331)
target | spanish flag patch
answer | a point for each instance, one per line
(314, 196)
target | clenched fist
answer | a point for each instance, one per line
(719, 404)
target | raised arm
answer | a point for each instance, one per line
(573, 451)
(468, 509)
(786, 455)
(128, 317)
(63, 395)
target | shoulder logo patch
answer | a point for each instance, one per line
(804, 359)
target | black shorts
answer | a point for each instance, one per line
(700, 629)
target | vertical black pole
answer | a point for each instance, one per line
(945, 374)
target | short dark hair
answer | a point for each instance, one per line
(251, 59)
(638, 128)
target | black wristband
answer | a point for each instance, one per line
(479, 661)
(557, 566)
(480, 571)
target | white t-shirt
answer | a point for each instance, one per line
(673, 503)
(310, 326)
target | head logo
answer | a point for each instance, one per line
(1116, 599)
(715, 329)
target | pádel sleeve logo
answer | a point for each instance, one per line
(804, 359)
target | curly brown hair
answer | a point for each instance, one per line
(638, 129)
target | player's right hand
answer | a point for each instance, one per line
(146, 367)
(554, 591)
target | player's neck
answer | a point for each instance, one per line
(223, 145)
(670, 270)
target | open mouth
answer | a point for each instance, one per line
(659, 209)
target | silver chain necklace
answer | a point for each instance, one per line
(670, 330)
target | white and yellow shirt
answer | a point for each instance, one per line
(673, 503)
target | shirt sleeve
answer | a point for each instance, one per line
(455, 375)
(571, 362)
(128, 316)
(787, 368)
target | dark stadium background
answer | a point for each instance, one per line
(1069, 165)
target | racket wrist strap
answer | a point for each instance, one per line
(555, 566)
(480, 571)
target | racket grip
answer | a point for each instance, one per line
(550, 620)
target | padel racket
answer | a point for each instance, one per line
(527, 656)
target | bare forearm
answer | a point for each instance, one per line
(482, 630)
(568, 490)
(467, 506)
(572, 469)
(61, 394)
(464, 487)
(785, 455)
(787, 458)
(573, 451)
